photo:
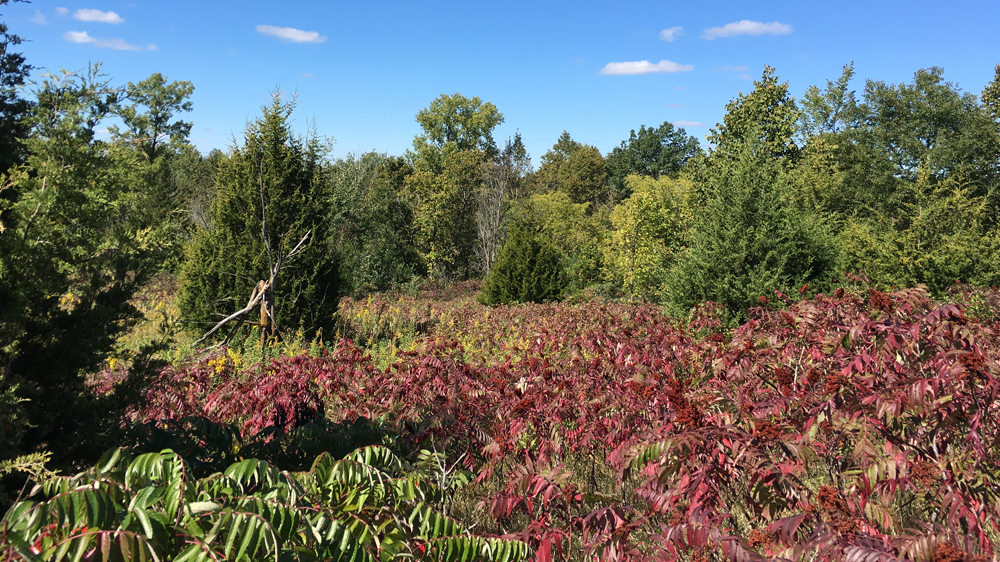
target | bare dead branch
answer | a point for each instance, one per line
(255, 299)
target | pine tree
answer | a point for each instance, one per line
(269, 194)
(528, 269)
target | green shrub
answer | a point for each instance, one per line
(528, 269)
(365, 507)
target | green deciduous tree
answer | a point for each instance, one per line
(651, 152)
(991, 96)
(445, 214)
(576, 169)
(374, 225)
(149, 118)
(528, 269)
(829, 111)
(270, 194)
(931, 124)
(650, 230)
(452, 124)
(766, 117)
(148, 110)
(72, 252)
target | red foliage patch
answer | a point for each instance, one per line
(539, 401)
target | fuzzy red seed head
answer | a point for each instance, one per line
(947, 552)
(878, 299)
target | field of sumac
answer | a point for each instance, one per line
(859, 425)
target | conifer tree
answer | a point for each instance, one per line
(528, 269)
(269, 194)
(750, 240)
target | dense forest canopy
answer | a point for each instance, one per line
(893, 186)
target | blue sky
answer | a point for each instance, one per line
(362, 70)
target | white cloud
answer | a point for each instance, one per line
(746, 27)
(741, 68)
(644, 67)
(671, 34)
(291, 34)
(97, 16)
(689, 124)
(38, 18)
(62, 11)
(116, 44)
(674, 105)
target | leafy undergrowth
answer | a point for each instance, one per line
(367, 506)
(858, 426)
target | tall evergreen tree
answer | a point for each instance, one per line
(14, 109)
(270, 193)
(748, 240)
(751, 236)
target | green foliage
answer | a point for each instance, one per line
(748, 239)
(576, 169)
(270, 194)
(991, 96)
(528, 269)
(452, 124)
(650, 230)
(651, 152)
(444, 207)
(898, 129)
(365, 507)
(931, 123)
(766, 117)
(73, 250)
(160, 100)
(193, 180)
(14, 109)
(939, 236)
(375, 237)
(577, 234)
(832, 110)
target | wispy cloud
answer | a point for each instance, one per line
(746, 27)
(38, 18)
(644, 67)
(116, 44)
(674, 105)
(308, 75)
(291, 34)
(671, 34)
(741, 68)
(746, 76)
(97, 16)
(62, 11)
(689, 124)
